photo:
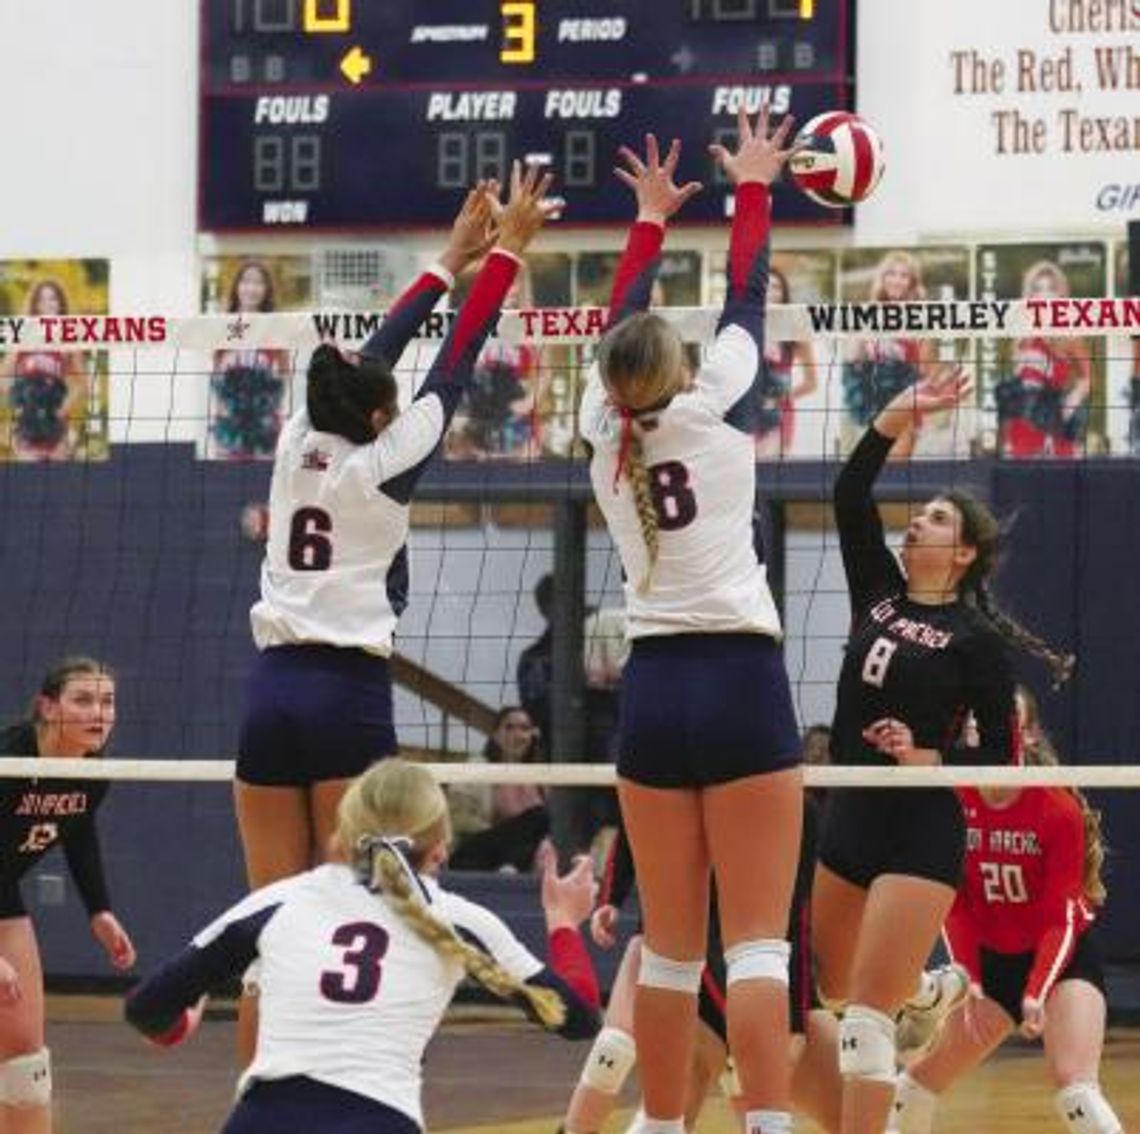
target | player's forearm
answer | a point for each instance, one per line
(637, 268)
(748, 261)
(405, 317)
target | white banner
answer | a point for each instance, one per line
(298, 330)
(1013, 116)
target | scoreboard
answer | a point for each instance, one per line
(337, 115)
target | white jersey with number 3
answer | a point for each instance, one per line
(348, 994)
(702, 471)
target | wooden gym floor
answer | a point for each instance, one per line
(483, 1075)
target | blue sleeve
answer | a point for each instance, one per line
(154, 1005)
(748, 262)
(451, 372)
(582, 1019)
(405, 317)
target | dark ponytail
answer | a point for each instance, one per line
(981, 531)
(341, 396)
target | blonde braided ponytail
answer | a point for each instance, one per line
(389, 876)
(638, 476)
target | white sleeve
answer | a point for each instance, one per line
(485, 930)
(730, 369)
(593, 408)
(407, 442)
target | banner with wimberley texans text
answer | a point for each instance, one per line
(949, 319)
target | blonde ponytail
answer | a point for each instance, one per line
(389, 876)
(638, 476)
(1041, 753)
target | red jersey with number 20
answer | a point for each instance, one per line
(1023, 890)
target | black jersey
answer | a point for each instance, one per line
(925, 665)
(37, 814)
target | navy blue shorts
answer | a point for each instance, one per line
(920, 833)
(296, 1104)
(705, 709)
(1004, 975)
(314, 713)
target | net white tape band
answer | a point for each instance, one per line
(599, 775)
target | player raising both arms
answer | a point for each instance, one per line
(926, 647)
(709, 753)
(1022, 925)
(358, 959)
(335, 576)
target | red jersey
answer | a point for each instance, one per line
(1023, 889)
(1037, 362)
(895, 350)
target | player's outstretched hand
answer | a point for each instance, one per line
(528, 207)
(114, 938)
(568, 899)
(758, 157)
(474, 229)
(653, 180)
(603, 926)
(944, 389)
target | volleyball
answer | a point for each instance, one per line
(839, 159)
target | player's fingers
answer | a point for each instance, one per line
(652, 153)
(743, 126)
(690, 189)
(631, 159)
(626, 176)
(780, 137)
(672, 157)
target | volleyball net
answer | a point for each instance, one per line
(135, 457)
(135, 453)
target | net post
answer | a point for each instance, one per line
(568, 698)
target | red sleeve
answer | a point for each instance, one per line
(961, 937)
(1063, 912)
(570, 960)
(636, 270)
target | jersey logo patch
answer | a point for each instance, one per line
(315, 460)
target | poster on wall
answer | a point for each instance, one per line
(249, 390)
(793, 399)
(1018, 118)
(1043, 397)
(515, 408)
(1123, 372)
(873, 370)
(54, 404)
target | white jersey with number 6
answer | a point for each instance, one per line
(335, 568)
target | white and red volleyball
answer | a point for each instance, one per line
(839, 159)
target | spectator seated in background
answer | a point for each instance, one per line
(501, 826)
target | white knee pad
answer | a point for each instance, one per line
(663, 972)
(762, 959)
(913, 1110)
(1084, 1110)
(867, 1045)
(26, 1079)
(610, 1061)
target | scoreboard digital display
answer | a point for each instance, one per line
(339, 115)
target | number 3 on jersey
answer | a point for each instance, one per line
(877, 660)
